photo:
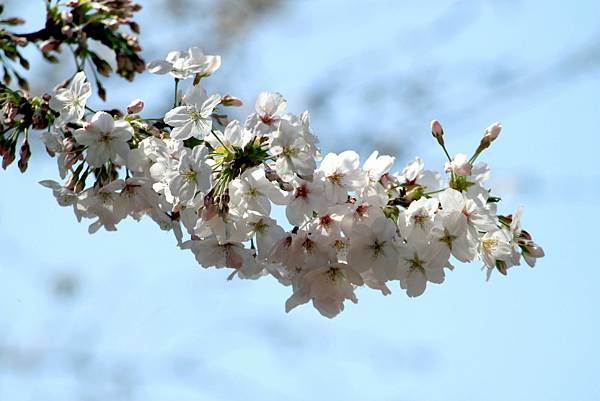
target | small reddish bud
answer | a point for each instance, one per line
(437, 131)
(135, 106)
(49, 45)
(7, 159)
(24, 155)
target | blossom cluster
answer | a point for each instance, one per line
(224, 186)
(70, 24)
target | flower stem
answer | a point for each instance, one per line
(434, 192)
(446, 152)
(175, 100)
(219, 139)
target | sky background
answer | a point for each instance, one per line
(128, 316)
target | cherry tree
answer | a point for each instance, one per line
(218, 183)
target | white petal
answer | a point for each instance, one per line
(159, 67)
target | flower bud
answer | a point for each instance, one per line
(135, 106)
(112, 24)
(7, 159)
(66, 16)
(67, 31)
(491, 132)
(13, 21)
(49, 45)
(229, 100)
(437, 131)
(24, 155)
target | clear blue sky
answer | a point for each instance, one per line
(146, 323)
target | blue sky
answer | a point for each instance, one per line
(147, 323)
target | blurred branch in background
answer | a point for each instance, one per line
(222, 23)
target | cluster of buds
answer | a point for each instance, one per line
(70, 24)
(9, 49)
(80, 20)
(20, 114)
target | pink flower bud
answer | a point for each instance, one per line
(436, 129)
(135, 106)
(492, 132)
(49, 45)
(66, 16)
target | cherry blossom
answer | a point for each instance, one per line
(194, 118)
(269, 110)
(106, 139)
(70, 101)
(292, 152)
(182, 65)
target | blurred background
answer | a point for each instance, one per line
(128, 316)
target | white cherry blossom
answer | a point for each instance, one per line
(269, 110)
(292, 153)
(182, 65)
(495, 246)
(340, 175)
(305, 199)
(106, 139)
(192, 176)
(252, 191)
(194, 118)
(327, 287)
(70, 102)
(421, 262)
(415, 174)
(418, 219)
(375, 248)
